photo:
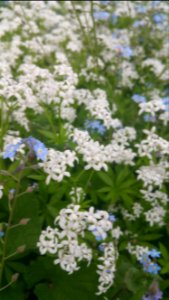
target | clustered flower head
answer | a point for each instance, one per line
(148, 264)
(153, 293)
(38, 52)
(34, 145)
(69, 244)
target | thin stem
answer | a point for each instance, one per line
(95, 34)
(11, 214)
(11, 255)
(6, 286)
(49, 120)
(80, 23)
(89, 179)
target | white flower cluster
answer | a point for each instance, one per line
(155, 197)
(152, 107)
(137, 210)
(77, 195)
(137, 250)
(153, 144)
(64, 243)
(1, 190)
(97, 156)
(153, 175)
(155, 216)
(124, 135)
(56, 164)
(98, 106)
(107, 268)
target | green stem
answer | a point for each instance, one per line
(89, 179)
(95, 35)
(10, 219)
(49, 120)
(85, 37)
(6, 286)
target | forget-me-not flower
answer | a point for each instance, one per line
(11, 150)
(139, 98)
(35, 145)
(95, 126)
(101, 15)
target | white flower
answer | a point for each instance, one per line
(106, 268)
(1, 191)
(137, 250)
(67, 242)
(153, 175)
(155, 216)
(153, 144)
(48, 241)
(56, 164)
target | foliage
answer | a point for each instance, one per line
(84, 110)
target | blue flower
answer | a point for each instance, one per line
(104, 2)
(154, 253)
(101, 15)
(101, 247)
(99, 238)
(41, 151)
(157, 296)
(166, 103)
(114, 18)
(127, 52)
(155, 3)
(112, 218)
(141, 9)
(158, 18)
(152, 268)
(97, 235)
(1, 233)
(138, 98)
(124, 51)
(37, 146)
(148, 118)
(145, 260)
(95, 126)
(11, 150)
(148, 265)
(138, 23)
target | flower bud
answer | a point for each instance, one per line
(11, 194)
(21, 249)
(24, 221)
(15, 277)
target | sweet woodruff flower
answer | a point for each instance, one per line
(67, 242)
(33, 144)
(1, 191)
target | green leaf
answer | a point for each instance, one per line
(104, 177)
(164, 252)
(47, 134)
(55, 284)
(37, 177)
